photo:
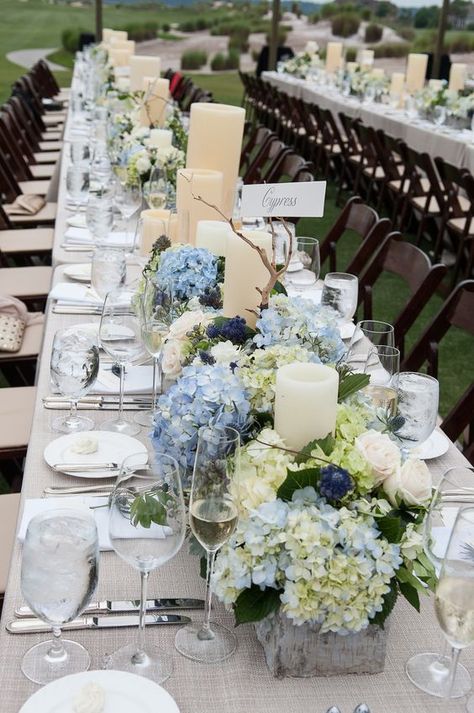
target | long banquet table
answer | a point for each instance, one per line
(453, 145)
(243, 683)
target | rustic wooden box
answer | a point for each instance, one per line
(302, 651)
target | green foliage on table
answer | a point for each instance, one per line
(254, 604)
(148, 508)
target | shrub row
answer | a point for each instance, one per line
(193, 59)
(345, 24)
(221, 62)
(373, 32)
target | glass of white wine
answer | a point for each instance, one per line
(213, 515)
(383, 367)
(454, 596)
(156, 189)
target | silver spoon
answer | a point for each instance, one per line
(362, 708)
(333, 709)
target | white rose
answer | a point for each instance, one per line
(187, 321)
(311, 47)
(225, 352)
(171, 358)
(412, 483)
(382, 454)
(143, 164)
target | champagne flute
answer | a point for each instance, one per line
(147, 525)
(213, 515)
(59, 573)
(429, 671)
(374, 334)
(383, 367)
(454, 596)
(156, 189)
(73, 368)
(120, 338)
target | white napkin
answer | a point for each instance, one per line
(78, 235)
(67, 292)
(310, 293)
(35, 506)
(77, 221)
(138, 380)
(82, 236)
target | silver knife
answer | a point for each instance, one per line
(96, 406)
(80, 467)
(62, 309)
(99, 398)
(128, 605)
(36, 626)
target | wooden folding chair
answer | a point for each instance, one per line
(354, 216)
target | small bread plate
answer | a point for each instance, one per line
(434, 446)
(80, 272)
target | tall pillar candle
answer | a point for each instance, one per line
(305, 403)
(119, 35)
(457, 76)
(119, 58)
(366, 58)
(416, 71)
(196, 182)
(213, 235)
(244, 273)
(215, 142)
(143, 66)
(378, 73)
(333, 56)
(160, 138)
(154, 224)
(123, 45)
(107, 34)
(397, 83)
(157, 92)
(173, 228)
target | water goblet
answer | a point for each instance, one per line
(213, 515)
(429, 671)
(147, 525)
(120, 338)
(304, 267)
(418, 399)
(59, 573)
(99, 216)
(108, 270)
(77, 185)
(439, 115)
(74, 367)
(128, 199)
(79, 151)
(374, 334)
(340, 291)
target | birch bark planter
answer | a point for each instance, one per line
(302, 651)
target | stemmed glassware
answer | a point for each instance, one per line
(156, 189)
(383, 367)
(147, 525)
(73, 369)
(304, 267)
(340, 291)
(429, 671)
(418, 399)
(59, 575)
(77, 185)
(213, 515)
(120, 338)
(128, 198)
(375, 334)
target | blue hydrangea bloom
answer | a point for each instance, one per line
(190, 270)
(335, 482)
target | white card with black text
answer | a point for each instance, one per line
(285, 200)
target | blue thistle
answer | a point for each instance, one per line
(206, 357)
(234, 329)
(335, 482)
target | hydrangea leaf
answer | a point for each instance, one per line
(411, 594)
(297, 480)
(392, 528)
(389, 601)
(279, 288)
(349, 384)
(325, 444)
(146, 509)
(255, 604)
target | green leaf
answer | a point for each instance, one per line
(296, 481)
(392, 528)
(146, 509)
(325, 444)
(279, 288)
(404, 576)
(254, 604)
(389, 601)
(411, 594)
(349, 384)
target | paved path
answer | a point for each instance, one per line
(27, 58)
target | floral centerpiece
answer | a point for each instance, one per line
(361, 81)
(303, 64)
(458, 106)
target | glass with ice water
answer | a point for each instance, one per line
(109, 268)
(340, 291)
(59, 575)
(418, 398)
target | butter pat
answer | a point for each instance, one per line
(85, 446)
(90, 699)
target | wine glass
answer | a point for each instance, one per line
(59, 573)
(429, 671)
(454, 596)
(128, 199)
(73, 369)
(147, 525)
(304, 267)
(418, 399)
(340, 291)
(383, 367)
(156, 189)
(439, 115)
(120, 338)
(213, 515)
(374, 334)
(77, 185)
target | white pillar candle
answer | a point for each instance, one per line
(122, 44)
(213, 235)
(107, 34)
(154, 224)
(397, 83)
(457, 76)
(416, 71)
(215, 142)
(119, 34)
(378, 73)
(143, 66)
(334, 57)
(157, 92)
(352, 66)
(119, 58)
(305, 403)
(196, 182)
(160, 138)
(244, 273)
(366, 58)
(173, 228)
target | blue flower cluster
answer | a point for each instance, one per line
(202, 395)
(296, 320)
(234, 330)
(190, 270)
(335, 482)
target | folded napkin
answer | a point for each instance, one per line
(35, 506)
(25, 205)
(82, 236)
(67, 292)
(138, 380)
(77, 221)
(11, 306)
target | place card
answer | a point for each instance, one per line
(285, 200)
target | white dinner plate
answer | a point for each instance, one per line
(80, 272)
(434, 446)
(111, 448)
(124, 693)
